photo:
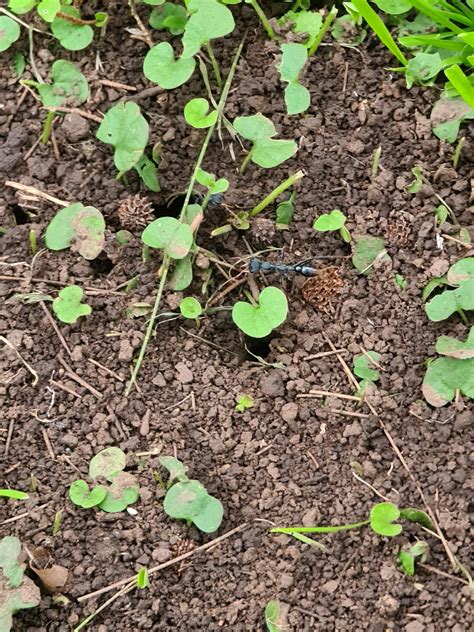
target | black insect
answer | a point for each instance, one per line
(256, 265)
(214, 198)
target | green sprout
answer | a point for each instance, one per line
(418, 552)
(190, 308)
(461, 299)
(400, 281)
(366, 251)
(187, 499)
(293, 60)
(275, 616)
(335, 220)
(169, 16)
(15, 494)
(258, 320)
(68, 87)
(196, 113)
(364, 369)
(79, 227)
(142, 578)
(9, 32)
(68, 307)
(244, 402)
(18, 591)
(284, 212)
(266, 151)
(309, 22)
(122, 491)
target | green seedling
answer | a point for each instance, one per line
(243, 403)
(276, 616)
(309, 22)
(258, 320)
(18, 63)
(452, 373)
(126, 129)
(169, 16)
(461, 299)
(208, 20)
(277, 191)
(284, 213)
(68, 87)
(416, 553)
(364, 369)
(15, 494)
(347, 29)
(137, 310)
(196, 113)
(79, 227)
(142, 578)
(122, 491)
(400, 281)
(170, 235)
(214, 186)
(68, 307)
(187, 499)
(57, 523)
(161, 67)
(190, 308)
(9, 32)
(335, 220)
(367, 251)
(293, 60)
(266, 151)
(32, 241)
(17, 590)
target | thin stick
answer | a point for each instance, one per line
(116, 84)
(167, 564)
(442, 573)
(323, 354)
(347, 371)
(457, 241)
(370, 358)
(65, 388)
(141, 26)
(87, 290)
(34, 191)
(27, 26)
(83, 113)
(181, 401)
(104, 368)
(377, 493)
(9, 436)
(347, 413)
(30, 368)
(70, 373)
(48, 443)
(208, 342)
(330, 394)
(56, 328)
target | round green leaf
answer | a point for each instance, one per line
(169, 16)
(382, 517)
(47, 9)
(124, 491)
(269, 152)
(423, 68)
(21, 6)
(80, 494)
(196, 113)
(208, 20)
(170, 235)
(259, 321)
(297, 98)
(68, 307)
(72, 36)
(107, 463)
(334, 220)
(255, 127)
(366, 250)
(69, 86)
(60, 232)
(89, 232)
(462, 270)
(190, 501)
(126, 129)
(444, 377)
(161, 67)
(393, 7)
(175, 467)
(190, 307)
(363, 367)
(9, 32)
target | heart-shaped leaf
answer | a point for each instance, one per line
(259, 321)
(366, 251)
(182, 274)
(196, 113)
(124, 491)
(293, 60)
(47, 9)
(68, 307)
(69, 86)
(382, 518)
(107, 463)
(209, 20)
(190, 307)
(364, 368)
(170, 235)
(255, 127)
(72, 36)
(462, 270)
(176, 469)
(161, 67)
(21, 6)
(270, 152)
(81, 227)
(444, 305)
(81, 495)
(60, 232)
(417, 516)
(190, 501)
(9, 32)
(169, 16)
(126, 129)
(334, 220)
(444, 377)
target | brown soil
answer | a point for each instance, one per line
(287, 460)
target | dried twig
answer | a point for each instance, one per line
(323, 354)
(30, 368)
(117, 85)
(104, 368)
(70, 373)
(56, 328)
(347, 413)
(37, 192)
(329, 394)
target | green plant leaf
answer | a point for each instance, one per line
(77, 226)
(161, 67)
(276, 616)
(444, 305)
(447, 115)
(142, 578)
(379, 28)
(69, 87)
(417, 516)
(68, 307)
(19, 63)
(293, 60)
(366, 251)
(243, 402)
(9, 32)
(208, 20)
(196, 113)
(126, 129)
(461, 83)
(176, 469)
(169, 234)
(407, 562)
(363, 367)
(431, 286)
(334, 220)
(260, 320)
(255, 127)
(266, 151)
(190, 307)
(444, 376)
(309, 22)
(72, 36)
(12, 569)
(462, 270)
(123, 491)
(60, 232)
(107, 463)
(21, 6)
(172, 17)
(284, 214)
(423, 68)
(13, 493)
(182, 274)
(47, 9)
(82, 496)
(382, 519)
(190, 501)
(393, 7)
(146, 169)
(447, 346)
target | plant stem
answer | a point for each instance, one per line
(331, 16)
(463, 316)
(263, 19)
(457, 153)
(246, 161)
(215, 65)
(271, 197)
(47, 127)
(166, 259)
(335, 529)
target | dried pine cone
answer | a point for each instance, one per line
(135, 213)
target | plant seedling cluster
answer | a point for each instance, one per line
(187, 499)
(258, 320)
(266, 151)
(335, 220)
(365, 368)
(123, 489)
(68, 306)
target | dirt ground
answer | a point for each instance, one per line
(289, 459)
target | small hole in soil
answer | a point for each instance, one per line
(102, 265)
(172, 207)
(21, 216)
(258, 346)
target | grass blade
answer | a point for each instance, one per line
(379, 28)
(461, 82)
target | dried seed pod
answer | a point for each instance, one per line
(135, 213)
(262, 231)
